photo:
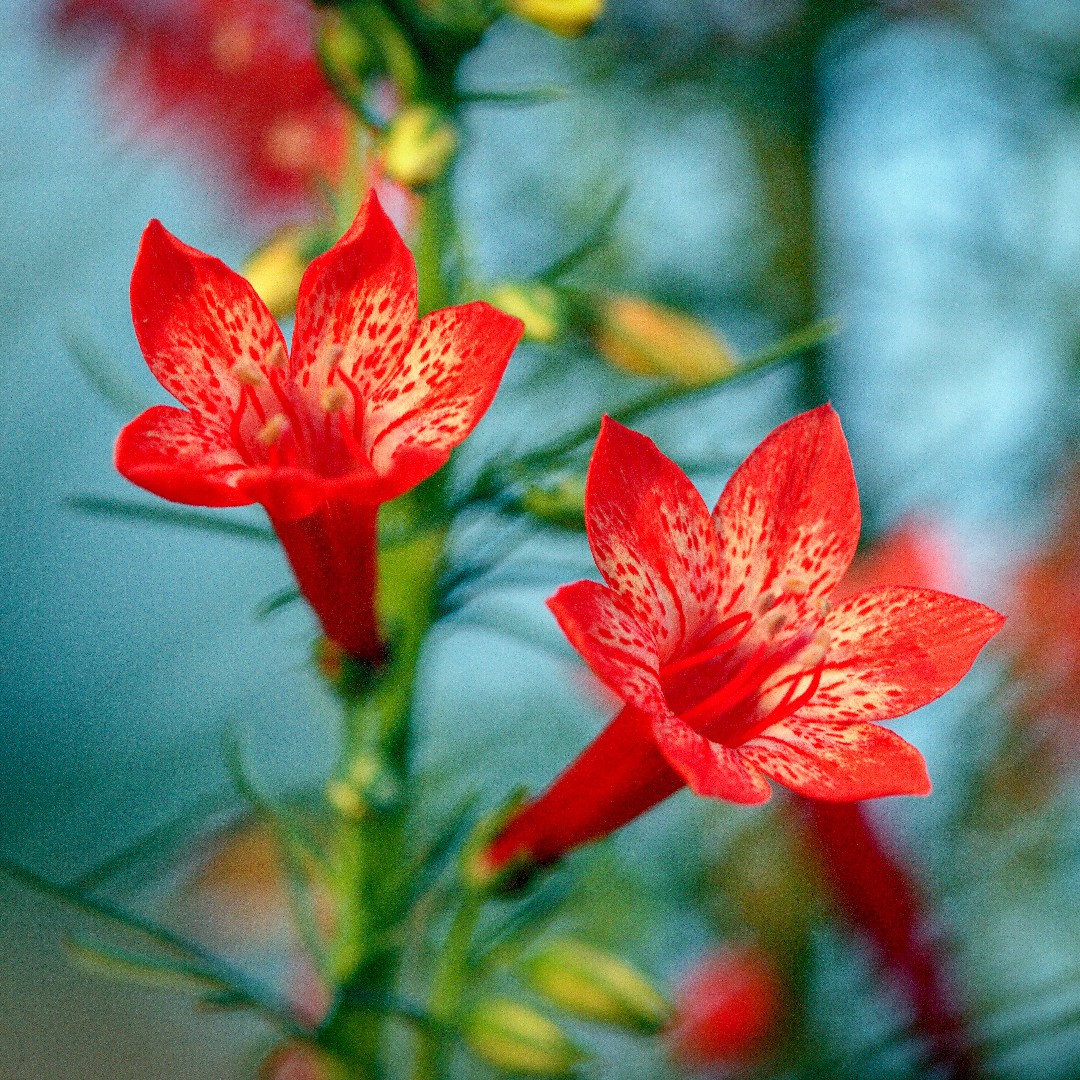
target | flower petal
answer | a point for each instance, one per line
(788, 519)
(710, 769)
(894, 649)
(195, 319)
(651, 536)
(435, 394)
(619, 650)
(837, 760)
(182, 456)
(357, 306)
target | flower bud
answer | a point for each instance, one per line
(347, 54)
(536, 305)
(517, 1039)
(596, 986)
(568, 18)
(645, 338)
(725, 1009)
(275, 271)
(561, 503)
(418, 146)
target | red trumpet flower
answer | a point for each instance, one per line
(239, 75)
(720, 637)
(371, 401)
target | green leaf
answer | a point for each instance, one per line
(545, 458)
(276, 601)
(537, 95)
(596, 239)
(152, 845)
(300, 856)
(188, 953)
(157, 971)
(107, 377)
(155, 514)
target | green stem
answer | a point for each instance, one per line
(554, 453)
(447, 992)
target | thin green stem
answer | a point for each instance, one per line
(554, 453)
(447, 991)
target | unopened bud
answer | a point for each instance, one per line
(347, 54)
(517, 1039)
(561, 503)
(275, 271)
(650, 339)
(418, 146)
(536, 305)
(568, 18)
(596, 986)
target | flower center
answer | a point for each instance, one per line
(731, 690)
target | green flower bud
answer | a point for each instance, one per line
(596, 986)
(348, 55)
(561, 503)
(536, 305)
(518, 1039)
(418, 146)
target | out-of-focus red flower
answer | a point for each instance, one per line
(726, 1007)
(241, 76)
(370, 402)
(720, 637)
(873, 887)
(1044, 628)
(912, 553)
(300, 1061)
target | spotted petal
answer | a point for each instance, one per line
(651, 536)
(357, 306)
(621, 652)
(838, 761)
(182, 456)
(431, 397)
(195, 320)
(788, 519)
(894, 649)
(710, 769)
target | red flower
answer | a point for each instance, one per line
(725, 1009)
(370, 402)
(239, 75)
(720, 637)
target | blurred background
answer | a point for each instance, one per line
(912, 168)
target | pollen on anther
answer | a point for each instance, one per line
(333, 356)
(796, 586)
(245, 372)
(272, 430)
(277, 357)
(334, 398)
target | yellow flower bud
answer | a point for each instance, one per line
(645, 338)
(568, 18)
(275, 271)
(596, 986)
(537, 306)
(517, 1039)
(418, 146)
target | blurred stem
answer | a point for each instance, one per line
(437, 236)
(447, 992)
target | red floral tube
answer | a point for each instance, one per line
(878, 895)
